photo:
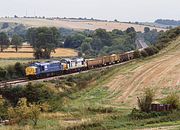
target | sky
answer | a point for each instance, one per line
(122, 10)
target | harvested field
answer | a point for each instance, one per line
(75, 24)
(60, 52)
(161, 73)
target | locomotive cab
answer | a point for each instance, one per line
(31, 71)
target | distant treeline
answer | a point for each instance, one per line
(89, 43)
(168, 22)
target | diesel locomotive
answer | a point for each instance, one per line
(72, 65)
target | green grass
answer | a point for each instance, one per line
(5, 62)
(91, 100)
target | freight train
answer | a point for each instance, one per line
(72, 65)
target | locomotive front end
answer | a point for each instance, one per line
(31, 71)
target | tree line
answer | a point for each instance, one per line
(45, 40)
(16, 41)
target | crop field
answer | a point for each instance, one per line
(27, 53)
(75, 24)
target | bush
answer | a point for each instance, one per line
(19, 69)
(12, 71)
(101, 109)
(173, 99)
(146, 100)
(37, 93)
(3, 108)
(137, 54)
(150, 51)
(24, 112)
(3, 73)
(144, 53)
(32, 92)
(138, 115)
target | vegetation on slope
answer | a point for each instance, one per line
(83, 102)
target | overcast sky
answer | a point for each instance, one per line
(123, 10)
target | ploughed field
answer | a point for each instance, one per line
(75, 24)
(161, 72)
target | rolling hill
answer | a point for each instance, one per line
(75, 24)
(161, 72)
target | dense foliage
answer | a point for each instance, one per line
(165, 38)
(146, 100)
(4, 41)
(168, 22)
(16, 41)
(101, 42)
(44, 40)
(12, 71)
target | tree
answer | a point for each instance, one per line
(101, 38)
(86, 45)
(24, 111)
(137, 54)
(43, 39)
(4, 41)
(2, 107)
(146, 100)
(16, 41)
(20, 112)
(34, 113)
(173, 99)
(130, 30)
(5, 25)
(19, 69)
(3, 73)
(74, 41)
(146, 29)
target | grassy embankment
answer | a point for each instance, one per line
(85, 102)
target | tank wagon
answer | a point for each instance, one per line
(72, 65)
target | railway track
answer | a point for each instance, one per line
(12, 82)
(24, 81)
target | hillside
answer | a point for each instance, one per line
(160, 72)
(103, 99)
(75, 24)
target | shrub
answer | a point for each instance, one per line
(19, 69)
(151, 51)
(146, 100)
(173, 99)
(37, 93)
(32, 92)
(3, 108)
(137, 54)
(138, 115)
(144, 53)
(3, 73)
(24, 112)
(101, 109)
(12, 71)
